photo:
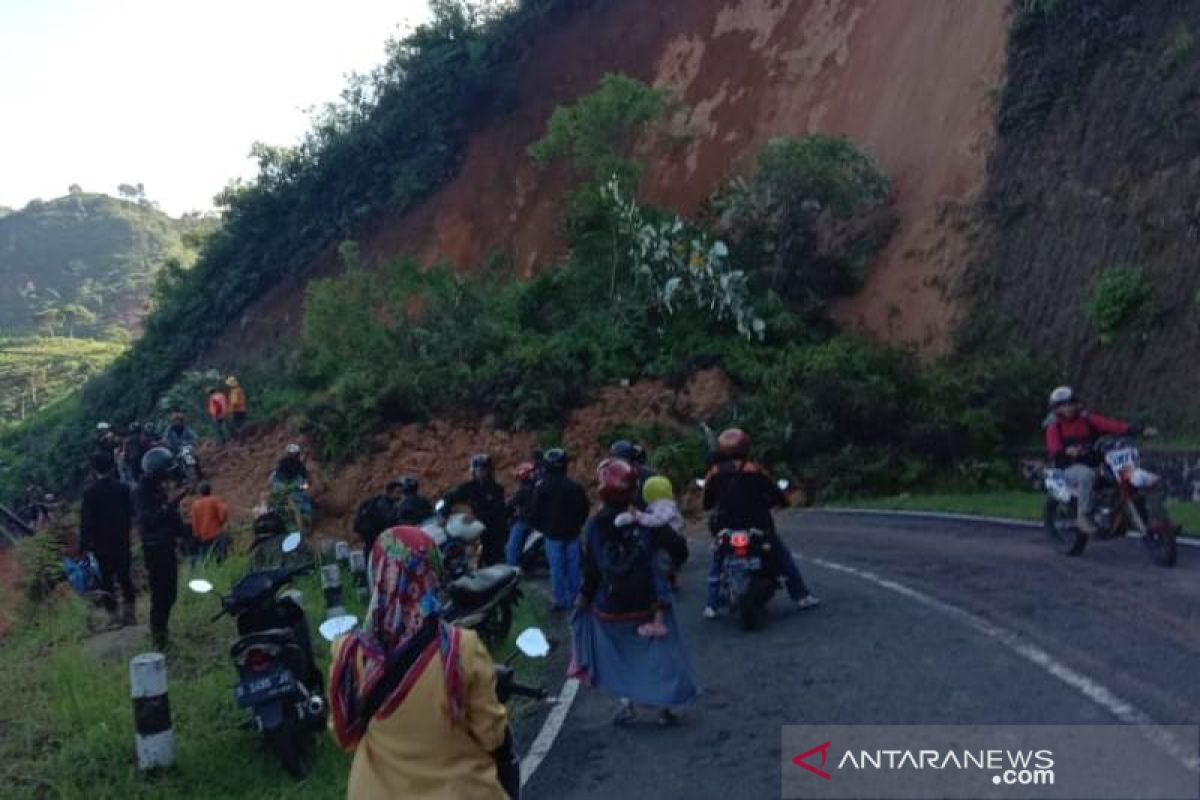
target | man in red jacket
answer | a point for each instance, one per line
(1071, 433)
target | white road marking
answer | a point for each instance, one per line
(1090, 688)
(550, 730)
(1189, 541)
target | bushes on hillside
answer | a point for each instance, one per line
(1117, 297)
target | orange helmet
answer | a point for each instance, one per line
(734, 443)
(618, 482)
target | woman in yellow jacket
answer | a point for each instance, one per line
(412, 697)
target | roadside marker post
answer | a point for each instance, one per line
(154, 736)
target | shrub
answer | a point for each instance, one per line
(808, 220)
(1117, 297)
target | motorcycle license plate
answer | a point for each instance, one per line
(269, 687)
(1125, 458)
(748, 564)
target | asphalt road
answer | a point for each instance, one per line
(875, 655)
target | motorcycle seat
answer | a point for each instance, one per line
(481, 584)
(272, 637)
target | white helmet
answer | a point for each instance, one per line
(1061, 396)
(103, 426)
(293, 449)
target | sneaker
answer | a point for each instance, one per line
(710, 612)
(1085, 524)
(625, 714)
(808, 601)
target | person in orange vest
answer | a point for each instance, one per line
(218, 411)
(210, 515)
(237, 405)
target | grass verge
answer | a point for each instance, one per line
(68, 722)
(1015, 504)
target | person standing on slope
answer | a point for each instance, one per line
(218, 411)
(161, 527)
(105, 522)
(237, 406)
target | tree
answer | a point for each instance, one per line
(128, 191)
(74, 188)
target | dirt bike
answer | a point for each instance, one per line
(1126, 499)
(292, 501)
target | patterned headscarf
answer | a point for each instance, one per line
(403, 615)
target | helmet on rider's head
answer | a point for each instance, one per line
(157, 462)
(481, 462)
(734, 443)
(293, 449)
(658, 488)
(624, 450)
(524, 471)
(1062, 396)
(556, 459)
(410, 485)
(231, 381)
(103, 427)
(639, 454)
(135, 427)
(618, 482)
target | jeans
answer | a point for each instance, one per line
(162, 569)
(217, 548)
(565, 577)
(516, 542)
(1083, 479)
(785, 562)
(114, 571)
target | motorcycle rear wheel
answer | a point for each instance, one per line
(1059, 521)
(1161, 534)
(291, 745)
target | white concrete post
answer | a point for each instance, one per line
(151, 712)
(331, 585)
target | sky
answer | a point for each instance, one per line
(167, 93)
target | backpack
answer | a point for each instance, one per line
(625, 569)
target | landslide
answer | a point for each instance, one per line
(910, 81)
(1096, 167)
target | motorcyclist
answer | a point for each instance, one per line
(742, 494)
(1071, 434)
(519, 507)
(179, 435)
(559, 510)
(413, 508)
(105, 520)
(486, 499)
(377, 514)
(161, 526)
(634, 455)
(291, 468)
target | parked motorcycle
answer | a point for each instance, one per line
(279, 681)
(1126, 499)
(533, 644)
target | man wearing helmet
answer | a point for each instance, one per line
(412, 508)
(160, 526)
(486, 499)
(742, 494)
(559, 510)
(1071, 433)
(291, 468)
(634, 455)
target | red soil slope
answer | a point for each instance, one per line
(908, 79)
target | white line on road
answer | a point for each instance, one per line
(956, 517)
(550, 730)
(1120, 708)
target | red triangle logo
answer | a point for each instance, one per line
(802, 760)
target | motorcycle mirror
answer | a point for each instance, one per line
(200, 586)
(784, 485)
(532, 642)
(699, 483)
(334, 627)
(291, 542)
(441, 505)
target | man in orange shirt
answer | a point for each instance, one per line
(218, 410)
(210, 515)
(237, 405)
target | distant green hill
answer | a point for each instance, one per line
(82, 265)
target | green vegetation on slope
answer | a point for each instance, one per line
(83, 264)
(35, 372)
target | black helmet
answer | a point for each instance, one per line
(639, 454)
(135, 427)
(103, 462)
(157, 461)
(624, 450)
(409, 484)
(481, 461)
(557, 459)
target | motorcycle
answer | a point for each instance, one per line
(748, 577)
(292, 501)
(186, 469)
(279, 681)
(480, 599)
(1127, 499)
(533, 644)
(266, 551)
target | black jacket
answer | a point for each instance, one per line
(105, 517)
(290, 468)
(413, 509)
(559, 508)
(521, 503)
(158, 519)
(743, 495)
(486, 499)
